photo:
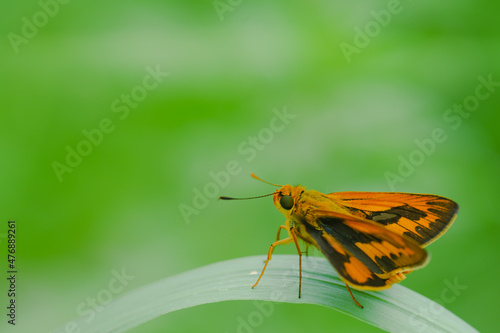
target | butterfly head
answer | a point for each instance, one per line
(286, 198)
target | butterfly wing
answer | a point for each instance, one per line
(366, 255)
(421, 217)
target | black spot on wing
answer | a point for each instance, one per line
(416, 237)
(394, 214)
(386, 263)
(385, 218)
(443, 217)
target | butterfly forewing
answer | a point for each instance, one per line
(421, 217)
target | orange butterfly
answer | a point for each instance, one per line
(372, 239)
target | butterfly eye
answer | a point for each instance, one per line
(286, 202)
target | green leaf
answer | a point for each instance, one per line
(397, 309)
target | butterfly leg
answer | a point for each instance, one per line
(271, 249)
(294, 236)
(306, 252)
(279, 231)
(352, 296)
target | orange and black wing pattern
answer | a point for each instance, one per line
(422, 217)
(366, 255)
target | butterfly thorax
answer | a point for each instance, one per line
(306, 204)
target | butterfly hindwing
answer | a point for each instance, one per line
(366, 255)
(421, 217)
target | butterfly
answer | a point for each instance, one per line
(372, 239)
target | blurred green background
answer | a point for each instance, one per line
(69, 67)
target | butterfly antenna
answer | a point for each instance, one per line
(254, 176)
(260, 196)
